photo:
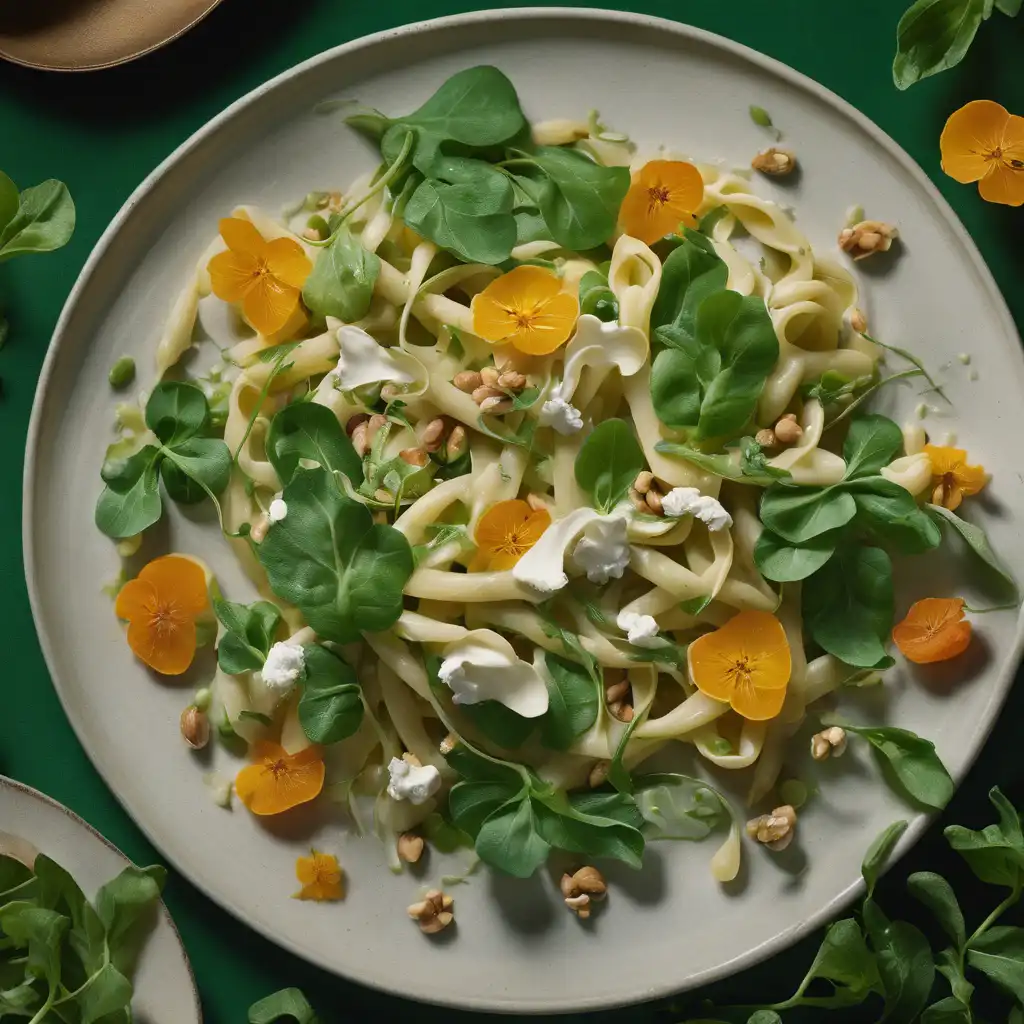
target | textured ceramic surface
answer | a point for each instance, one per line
(515, 947)
(165, 992)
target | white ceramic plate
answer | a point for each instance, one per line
(515, 947)
(165, 991)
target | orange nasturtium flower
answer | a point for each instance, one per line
(320, 876)
(746, 662)
(934, 630)
(505, 532)
(161, 606)
(526, 308)
(952, 478)
(266, 277)
(663, 195)
(277, 781)
(984, 142)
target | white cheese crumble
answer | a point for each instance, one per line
(565, 418)
(412, 783)
(541, 567)
(483, 665)
(603, 550)
(278, 510)
(362, 361)
(640, 630)
(681, 501)
(284, 664)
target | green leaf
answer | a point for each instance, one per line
(910, 761)
(679, 807)
(764, 1017)
(890, 513)
(996, 853)
(331, 705)
(938, 896)
(739, 327)
(124, 906)
(905, 964)
(879, 852)
(107, 992)
(22, 1000)
(251, 630)
(933, 36)
(976, 540)
(777, 559)
(444, 836)
(476, 768)
(691, 272)
(722, 464)
(306, 430)
(206, 460)
(999, 954)
(605, 804)
(1011, 8)
(58, 891)
(12, 873)
(799, 514)
(563, 826)
(131, 500)
(341, 282)
(754, 462)
(608, 463)
(289, 1002)
(596, 298)
(41, 931)
(45, 220)
(947, 1011)
(501, 725)
(8, 200)
(573, 703)
(849, 605)
(870, 444)
(760, 117)
(477, 107)
(330, 560)
(472, 803)
(176, 411)
(844, 959)
(466, 207)
(509, 839)
(676, 382)
(948, 964)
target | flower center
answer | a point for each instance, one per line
(995, 154)
(277, 769)
(261, 269)
(741, 671)
(164, 621)
(657, 195)
(512, 544)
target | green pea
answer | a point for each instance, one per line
(122, 373)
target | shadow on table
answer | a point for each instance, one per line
(234, 33)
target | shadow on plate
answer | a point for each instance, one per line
(24, 19)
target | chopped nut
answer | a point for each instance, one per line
(566, 886)
(653, 500)
(622, 710)
(776, 162)
(828, 743)
(858, 321)
(766, 438)
(537, 503)
(433, 912)
(448, 743)
(485, 391)
(195, 727)
(489, 375)
(411, 759)
(589, 880)
(409, 847)
(496, 406)
(642, 484)
(468, 381)
(599, 773)
(374, 423)
(433, 434)
(258, 533)
(579, 905)
(775, 830)
(787, 430)
(638, 500)
(616, 691)
(414, 456)
(867, 237)
(456, 444)
(359, 440)
(511, 380)
(355, 421)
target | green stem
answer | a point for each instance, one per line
(43, 1010)
(910, 358)
(259, 404)
(994, 916)
(864, 396)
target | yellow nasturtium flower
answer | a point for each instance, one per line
(952, 478)
(505, 532)
(320, 876)
(664, 194)
(526, 308)
(984, 142)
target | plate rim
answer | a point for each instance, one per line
(127, 58)
(6, 782)
(920, 821)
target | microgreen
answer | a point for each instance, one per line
(976, 539)
(608, 463)
(342, 280)
(596, 298)
(679, 807)
(305, 430)
(40, 219)
(935, 35)
(331, 705)
(249, 634)
(574, 703)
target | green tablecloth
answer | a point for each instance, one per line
(103, 132)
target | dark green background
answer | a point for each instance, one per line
(103, 132)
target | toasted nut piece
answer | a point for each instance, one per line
(355, 421)
(625, 713)
(511, 380)
(468, 381)
(579, 905)
(433, 434)
(496, 406)
(414, 456)
(359, 439)
(766, 438)
(589, 880)
(258, 533)
(436, 924)
(867, 237)
(642, 483)
(195, 727)
(537, 502)
(448, 743)
(383, 495)
(374, 423)
(787, 430)
(638, 500)
(411, 759)
(653, 499)
(416, 910)
(828, 743)
(433, 912)
(775, 161)
(456, 443)
(489, 375)
(616, 691)
(409, 847)
(485, 391)
(566, 886)
(775, 830)
(599, 774)
(858, 321)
